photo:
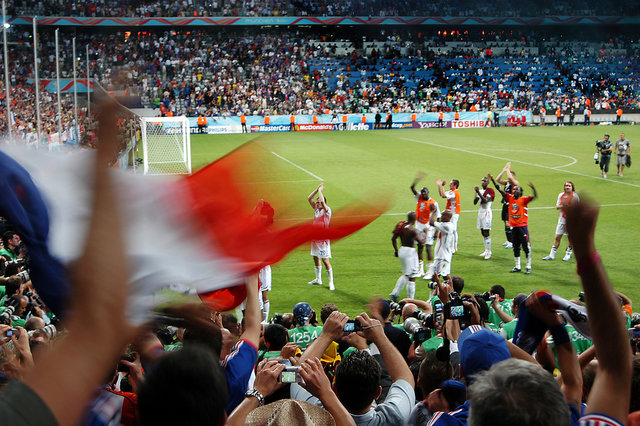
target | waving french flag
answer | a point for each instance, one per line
(199, 231)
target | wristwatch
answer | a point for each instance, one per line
(254, 393)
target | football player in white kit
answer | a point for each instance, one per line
(485, 196)
(321, 250)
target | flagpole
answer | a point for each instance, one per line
(37, 82)
(75, 93)
(88, 87)
(58, 89)
(6, 67)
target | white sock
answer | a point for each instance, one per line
(421, 267)
(260, 302)
(411, 289)
(318, 273)
(487, 244)
(529, 260)
(265, 310)
(517, 259)
(569, 251)
(400, 285)
(552, 253)
(330, 275)
(430, 268)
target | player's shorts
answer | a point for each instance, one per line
(505, 212)
(264, 278)
(409, 259)
(621, 160)
(561, 229)
(321, 249)
(454, 220)
(428, 229)
(484, 219)
(442, 267)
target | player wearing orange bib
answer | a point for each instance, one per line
(519, 220)
(423, 211)
(453, 203)
(564, 199)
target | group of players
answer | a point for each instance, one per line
(421, 226)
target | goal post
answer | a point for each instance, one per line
(166, 145)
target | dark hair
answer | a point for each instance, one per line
(6, 237)
(210, 338)
(433, 372)
(457, 283)
(498, 289)
(276, 336)
(230, 322)
(573, 185)
(193, 381)
(357, 380)
(12, 285)
(326, 311)
(11, 269)
(456, 182)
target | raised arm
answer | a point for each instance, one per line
(313, 194)
(498, 188)
(441, 184)
(611, 389)
(331, 330)
(396, 365)
(502, 172)
(66, 376)
(415, 182)
(252, 315)
(535, 193)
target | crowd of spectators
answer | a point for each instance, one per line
(189, 8)
(195, 72)
(448, 363)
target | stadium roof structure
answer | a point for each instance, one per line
(548, 21)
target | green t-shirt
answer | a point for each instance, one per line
(3, 291)
(492, 327)
(432, 344)
(10, 255)
(580, 343)
(303, 336)
(509, 329)
(505, 305)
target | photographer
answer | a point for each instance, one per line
(605, 147)
(11, 246)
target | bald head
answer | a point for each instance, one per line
(407, 310)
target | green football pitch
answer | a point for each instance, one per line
(363, 165)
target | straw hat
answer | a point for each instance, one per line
(290, 412)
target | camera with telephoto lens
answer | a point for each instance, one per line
(419, 333)
(24, 275)
(5, 317)
(276, 319)
(48, 330)
(454, 309)
(395, 307)
(488, 297)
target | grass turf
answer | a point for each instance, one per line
(359, 165)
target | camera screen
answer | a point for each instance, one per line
(288, 377)
(457, 311)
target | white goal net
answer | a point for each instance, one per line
(166, 145)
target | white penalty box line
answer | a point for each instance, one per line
(298, 167)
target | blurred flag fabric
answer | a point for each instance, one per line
(199, 232)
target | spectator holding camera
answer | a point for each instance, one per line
(357, 377)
